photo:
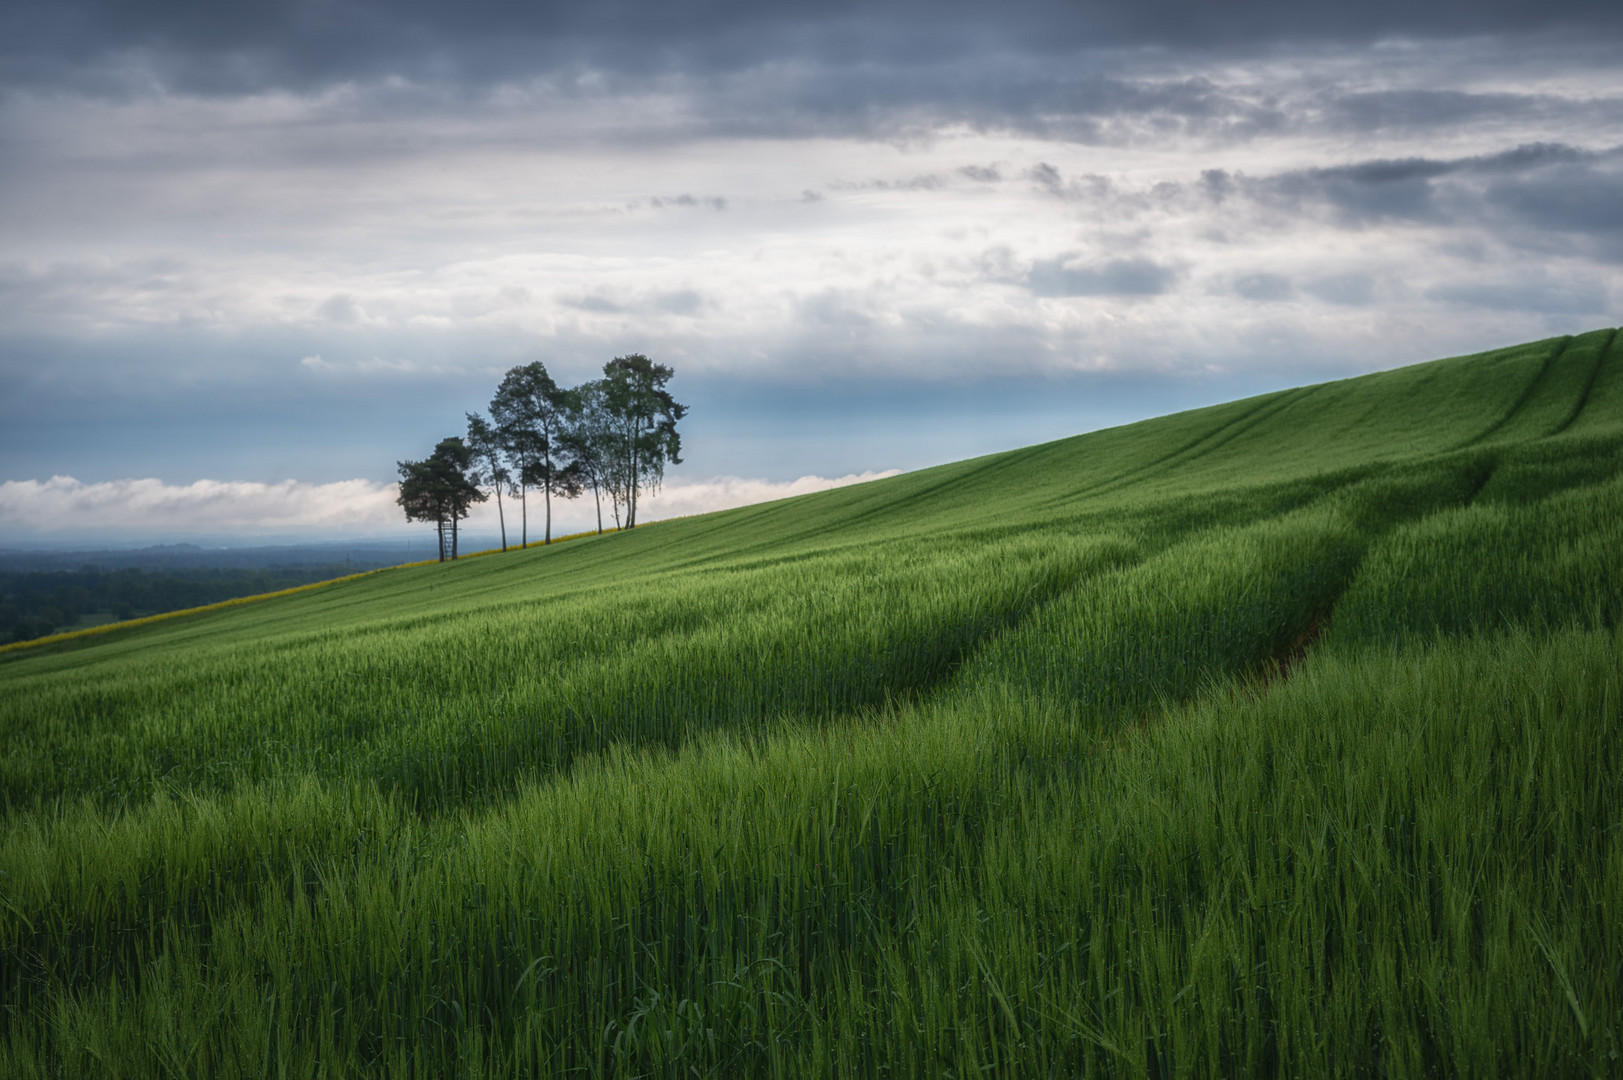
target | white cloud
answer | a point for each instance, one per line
(145, 508)
(351, 223)
(149, 507)
(680, 498)
(372, 365)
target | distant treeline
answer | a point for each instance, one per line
(360, 554)
(43, 602)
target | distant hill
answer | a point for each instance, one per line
(361, 555)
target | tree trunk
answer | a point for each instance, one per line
(500, 516)
(524, 504)
(598, 495)
(631, 495)
(453, 539)
(546, 490)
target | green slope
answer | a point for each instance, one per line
(1334, 430)
(1274, 737)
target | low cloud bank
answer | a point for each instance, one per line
(680, 498)
(149, 509)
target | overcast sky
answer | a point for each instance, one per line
(251, 255)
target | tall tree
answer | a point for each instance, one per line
(645, 416)
(440, 489)
(557, 479)
(529, 409)
(490, 463)
(523, 447)
(589, 435)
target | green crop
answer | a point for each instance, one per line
(1277, 738)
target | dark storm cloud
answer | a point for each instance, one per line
(1051, 97)
(1113, 98)
(1579, 196)
(1388, 110)
(195, 44)
(1544, 185)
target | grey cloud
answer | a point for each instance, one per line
(1362, 191)
(1398, 188)
(1350, 290)
(785, 88)
(714, 202)
(1000, 264)
(1219, 184)
(340, 309)
(309, 43)
(1524, 157)
(1102, 99)
(1550, 298)
(1050, 179)
(925, 182)
(1119, 277)
(1264, 287)
(833, 308)
(674, 302)
(982, 174)
(1377, 110)
(1398, 192)
(1046, 176)
(680, 302)
(597, 305)
(1573, 198)
(1123, 201)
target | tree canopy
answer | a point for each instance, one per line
(645, 414)
(441, 488)
(614, 435)
(530, 410)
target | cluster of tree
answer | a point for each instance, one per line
(612, 436)
(33, 604)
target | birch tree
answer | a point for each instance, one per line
(490, 462)
(529, 410)
(644, 416)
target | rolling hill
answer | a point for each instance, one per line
(1279, 737)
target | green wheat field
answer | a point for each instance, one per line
(1279, 738)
